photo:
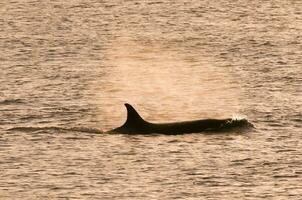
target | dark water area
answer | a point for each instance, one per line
(67, 68)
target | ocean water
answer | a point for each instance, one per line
(67, 68)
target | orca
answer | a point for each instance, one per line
(135, 124)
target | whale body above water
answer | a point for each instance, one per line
(135, 124)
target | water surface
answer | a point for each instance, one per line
(67, 68)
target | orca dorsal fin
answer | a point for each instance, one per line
(133, 118)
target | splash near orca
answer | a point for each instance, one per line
(135, 124)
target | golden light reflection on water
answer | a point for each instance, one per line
(163, 84)
(63, 62)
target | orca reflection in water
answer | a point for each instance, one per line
(135, 124)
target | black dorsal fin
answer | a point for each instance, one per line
(133, 118)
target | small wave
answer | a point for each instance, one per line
(54, 128)
(10, 101)
(238, 123)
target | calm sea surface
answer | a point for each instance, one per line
(67, 68)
